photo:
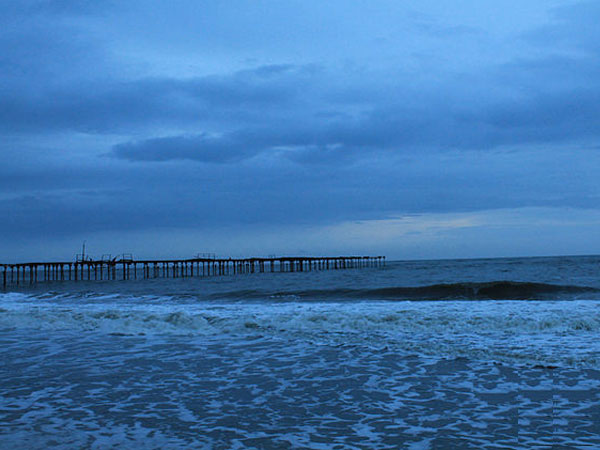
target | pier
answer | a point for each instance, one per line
(126, 268)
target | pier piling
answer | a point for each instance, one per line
(27, 273)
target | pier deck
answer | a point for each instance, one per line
(127, 268)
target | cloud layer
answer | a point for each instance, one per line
(121, 118)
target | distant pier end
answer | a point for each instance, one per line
(126, 268)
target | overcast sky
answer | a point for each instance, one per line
(429, 129)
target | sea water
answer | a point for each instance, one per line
(496, 353)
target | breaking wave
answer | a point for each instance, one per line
(541, 331)
(305, 317)
(493, 290)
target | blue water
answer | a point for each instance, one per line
(498, 353)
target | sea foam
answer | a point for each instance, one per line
(543, 331)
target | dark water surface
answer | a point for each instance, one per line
(499, 353)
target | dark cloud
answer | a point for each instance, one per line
(180, 195)
(109, 106)
(574, 26)
(448, 32)
(229, 148)
(28, 8)
(285, 139)
(303, 109)
(539, 118)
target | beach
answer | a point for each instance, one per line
(342, 359)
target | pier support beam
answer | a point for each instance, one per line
(27, 273)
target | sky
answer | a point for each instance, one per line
(415, 130)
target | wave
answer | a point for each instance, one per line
(492, 290)
(540, 331)
(351, 317)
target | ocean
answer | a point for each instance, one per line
(448, 354)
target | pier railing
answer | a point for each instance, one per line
(126, 268)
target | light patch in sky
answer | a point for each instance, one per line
(491, 233)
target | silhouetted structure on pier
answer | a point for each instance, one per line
(126, 268)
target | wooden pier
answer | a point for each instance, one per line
(128, 269)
